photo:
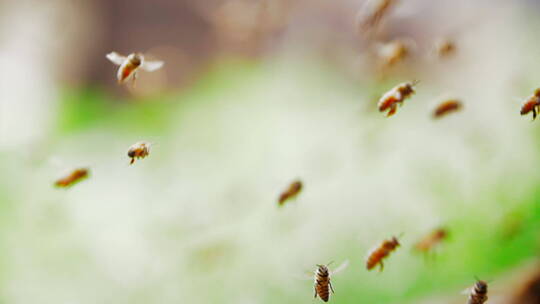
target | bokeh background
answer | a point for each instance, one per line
(254, 94)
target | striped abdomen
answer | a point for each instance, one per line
(376, 257)
(125, 71)
(322, 283)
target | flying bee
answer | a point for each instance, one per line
(391, 99)
(291, 192)
(431, 240)
(374, 12)
(379, 253)
(446, 107)
(323, 286)
(74, 177)
(393, 52)
(138, 150)
(532, 104)
(445, 48)
(478, 293)
(130, 65)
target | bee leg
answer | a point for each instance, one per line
(382, 266)
(331, 288)
(392, 111)
(315, 288)
(534, 113)
(132, 161)
(134, 78)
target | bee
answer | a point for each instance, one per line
(323, 286)
(138, 150)
(393, 52)
(478, 293)
(446, 107)
(74, 177)
(375, 11)
(376, 256)
(130, 65)
(431, 240)
(391, 99)
(291, 192)
(532, 104)
(445, 48)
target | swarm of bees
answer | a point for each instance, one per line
(138, 150)
(74, 177)
(391, 53)
(129, 65)
(290, 193)
(447, 107)
(395, 97)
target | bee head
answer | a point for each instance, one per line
(322, 270)
(131, 153)
(395, 242)
(135, 58)
(481, 286)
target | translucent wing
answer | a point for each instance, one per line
(116, 58)
(341, 267)
(151, 66)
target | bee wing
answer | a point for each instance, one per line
(341, 267)
(307, 276)
(151, 66)
(116, 58)
(467, 290)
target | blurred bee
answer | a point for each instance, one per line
(130, 65)
(393, 52)
(374, 12)
(529, 290)
(431, 240)
(138, 150)
(323, 286)
(478, 293)
(391, 99)
(291, 192)
(532, 104)
(74, 177)
(445, 48)
(376, 256)
(447, 107)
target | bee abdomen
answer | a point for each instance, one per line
(323, 290)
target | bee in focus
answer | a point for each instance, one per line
(291, 192)
(478, 293)
(532, 104)
(130, 65)
(391, 99)
(74, 177)
(445, 48)
(323, 286)
(374, 12)
(138, 150)
(393, 52)
(447, 107)
(379, 253)
(432, 240)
